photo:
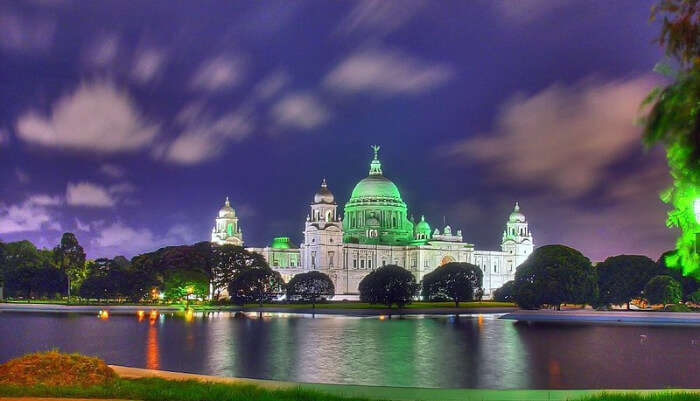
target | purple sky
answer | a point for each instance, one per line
(128, 122)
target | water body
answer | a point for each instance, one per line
(422, 351)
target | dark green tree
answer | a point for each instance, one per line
(553, 275)
(255, 286)
(455, 281)
(230, 261)
(70, 258)
(505, 293)
(689, 283)
(662, 290)
(310, 287)
(622, 278)
(388, 285)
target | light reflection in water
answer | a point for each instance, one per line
(152, 352)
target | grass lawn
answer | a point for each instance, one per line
(154, 389)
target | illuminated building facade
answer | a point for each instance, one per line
(375, 230)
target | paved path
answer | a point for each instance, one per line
(606, 317)
(381, 392)
(131, 309)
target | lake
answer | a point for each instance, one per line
(469, 351)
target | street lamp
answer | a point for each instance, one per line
(189, 291)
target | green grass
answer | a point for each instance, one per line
(663, 396)
(153, 389)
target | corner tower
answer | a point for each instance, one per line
(226, 230)
(517, 237)
(375, 213)
(323, 233)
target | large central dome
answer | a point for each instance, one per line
(375, 212)
(375, 187)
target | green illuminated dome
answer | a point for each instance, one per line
(423, 229)
(282, 243)
(375, 213)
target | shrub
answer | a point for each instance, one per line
(505, 293)
(53, 368)
(663, 290)
(388, 285)
(310, 287)
(454, 281)
(553, 275)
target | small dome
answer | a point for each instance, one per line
(226, 210)
(423, 227)
(324, 195)
(516, 216)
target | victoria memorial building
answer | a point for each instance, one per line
(375, 230)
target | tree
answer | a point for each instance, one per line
(694, 297)
(674, 121)
(505, 293)
(622, 278)
(663, 290)
(310, 287)
(454, 281)
(689, 283)
(388, 285)
(230, 261)
(70, 258)
(255, 286)
(182, 283)
(553, 275)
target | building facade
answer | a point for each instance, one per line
(375, 230)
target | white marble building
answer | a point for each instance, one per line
(377, 232)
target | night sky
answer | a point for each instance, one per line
(128, 122)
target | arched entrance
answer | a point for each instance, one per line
(446, 259)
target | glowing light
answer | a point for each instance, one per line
(153, 316)
(382, 317)
(189, 315)
(140, 314)
(103, 314)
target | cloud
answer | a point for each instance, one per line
(121, 188)
(96, 117)
(80, 226)
(147, 63)
(111, 170)
(563, 138)
(387, 73)
(300, 111)
(25, 34)
(221, 72)
(22, 176)
(379, 16)
(4, 137)
(121, 238)
(103, 51)
(524, 11)
(31, 215)
(203, 136)
(271, 85)
(88, 194)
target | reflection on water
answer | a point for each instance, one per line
(425, 351)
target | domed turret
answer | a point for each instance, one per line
(422, 229)
(516, 216)
(324, 195)
(226, 210)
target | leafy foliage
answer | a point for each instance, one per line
(388, 285)
(663, 290)
(553, 275)
(622, 278)
(689, 283)
(505, 293)
(454, 281)
(310, 287)
(674, 121)
(255, 286)
(70, 257)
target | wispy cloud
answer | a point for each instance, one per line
(26, 34)
(88, 194)
(147, 64)
(112, 170)
(103, 50)
(218, 73)
(121, 238)
(96, 116)
(33, 214)
(204, 136)
(300, 111)
(379, 16)
(523, 11)
(386, 72)
(562, 138)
